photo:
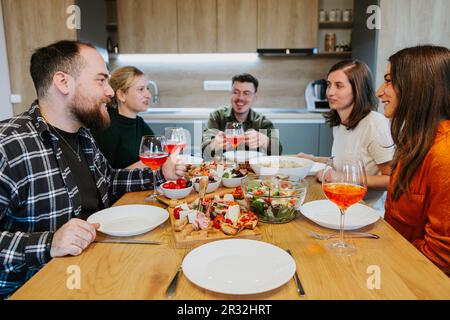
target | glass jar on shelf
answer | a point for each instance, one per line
(332, 15)
(322, 15)
(338, 15)
(346, 15)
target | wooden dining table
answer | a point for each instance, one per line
(385, 268)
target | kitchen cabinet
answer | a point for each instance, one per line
(30, 25)
(325, 140)
(287, 23)
(311, 138)
(296, 137)
(236, 25)
(197, 26)
(147, 26)
(208, 26)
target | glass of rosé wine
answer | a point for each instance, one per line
(153, 153)
(234, 135)
(344, 183)
(176, 139)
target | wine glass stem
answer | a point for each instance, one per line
(341, 228)
(154, 184)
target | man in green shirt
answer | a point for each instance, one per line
(260, 133)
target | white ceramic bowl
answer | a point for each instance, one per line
(232, 182)
(212, 186)
(273, 165)
(188, 159)
(242, 156)
(176, 193)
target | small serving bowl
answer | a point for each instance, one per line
(176, 193)
(212, 186)
(232, 182)
(273, 165)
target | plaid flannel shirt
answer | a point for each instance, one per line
(38, 193)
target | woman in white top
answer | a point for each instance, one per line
(358, 130)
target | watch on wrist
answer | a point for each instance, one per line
(48, 245)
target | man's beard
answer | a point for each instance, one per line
(89, 114)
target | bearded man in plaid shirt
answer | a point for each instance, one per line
(52, 175)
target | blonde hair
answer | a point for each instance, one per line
(122, 79)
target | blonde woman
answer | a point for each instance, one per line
(120, 142)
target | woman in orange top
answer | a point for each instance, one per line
(416, 96)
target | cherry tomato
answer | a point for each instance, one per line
(166, 185)
(217, 221)
(172, 185)
(176, 213)
(178, 187)
(181, 181)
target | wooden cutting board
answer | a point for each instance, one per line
(193, 196)
(187, 238)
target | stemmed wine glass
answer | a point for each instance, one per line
(176, 139)
(234, 135)
(153, 153)
(344, 183)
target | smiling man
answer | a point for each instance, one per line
(52, 175)
(260, 133)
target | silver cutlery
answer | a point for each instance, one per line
(300, 289)
(172, 288)
(347, 234)
(127, 241)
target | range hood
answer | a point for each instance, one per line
(288, 52)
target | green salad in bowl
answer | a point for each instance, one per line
(274, 199)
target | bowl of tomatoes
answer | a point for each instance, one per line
(213, 183)
(177, 189)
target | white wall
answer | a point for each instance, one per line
(407, 23)
(6, 110)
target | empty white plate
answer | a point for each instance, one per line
(326, 214)
(129, 220)
(238, 266)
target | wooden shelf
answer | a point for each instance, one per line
(345, 54)
(336, 25)
(112, 26)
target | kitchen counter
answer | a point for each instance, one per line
(290, 115)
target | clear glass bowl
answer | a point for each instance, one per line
(274, 199)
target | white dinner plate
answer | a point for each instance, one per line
(242, 156)
(238, 266)
(317, 166)
(326, 214)
(129, 220)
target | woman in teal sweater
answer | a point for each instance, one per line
(120, 142)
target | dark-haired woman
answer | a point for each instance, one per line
(416, 96)
(358, 130)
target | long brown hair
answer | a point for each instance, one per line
(421, 79)
(364, 99)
